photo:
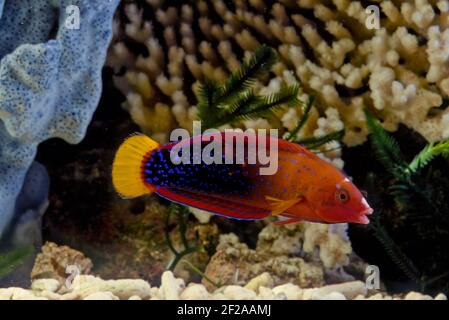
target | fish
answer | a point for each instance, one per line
(303, 188)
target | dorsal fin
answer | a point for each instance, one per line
(296, 148)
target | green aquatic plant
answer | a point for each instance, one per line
(412, 205)
(235, 100)
(182, 214)
(12, 259)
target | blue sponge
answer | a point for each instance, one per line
(50, 80)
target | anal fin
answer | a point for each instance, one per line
(287, 221)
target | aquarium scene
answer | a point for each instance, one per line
(224, 150)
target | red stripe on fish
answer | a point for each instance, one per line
(214, 204)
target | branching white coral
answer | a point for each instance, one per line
(401, 70)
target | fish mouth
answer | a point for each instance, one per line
(362, 219)
(368, 211)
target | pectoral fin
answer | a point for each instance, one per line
(279, 206)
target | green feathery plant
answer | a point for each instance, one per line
(426, 155)
(389, 154)
(385, 147)
(12, 260)
(235, 100)
(420, 217)
(182, 214)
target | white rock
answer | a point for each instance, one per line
(265, 293)
(292, 292)
(201, 215)
(239, 293)
(263, 279)
(5, 294)
(50, 285)
(217, 296)
(101, 296)
(417, 296)
(84, 285)
(135, 298)
(155, 293)
(349, 289)
(333, 296)
(441, 296)
(171, 287)
(195, 291)
(18, 294)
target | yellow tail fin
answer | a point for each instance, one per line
(128, 166)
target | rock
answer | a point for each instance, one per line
(238, 293)
(333, 296)
(6, 294)
(235, 264)
(263, 279)
(306, 237)
(377, 296)
(332, 241)
(349, 289)
(291, 291)
(54, 260)
(265, 293)
(171, 287)
(49, 285)
(86, 285)
(49, 295)
(440, 296)
(135, 298)
(195, 291)
(18, 294)
(417, 296)
(201, 215)
(101, 296)
(155, 293)
(217, 296)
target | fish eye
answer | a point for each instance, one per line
(342, 195)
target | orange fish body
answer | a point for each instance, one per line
(304, 187)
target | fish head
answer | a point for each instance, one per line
(341, 201)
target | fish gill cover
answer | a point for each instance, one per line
(50, 81)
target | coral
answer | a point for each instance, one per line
(301, 254)
(331, 241)
(400, 69)
(50, 84)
